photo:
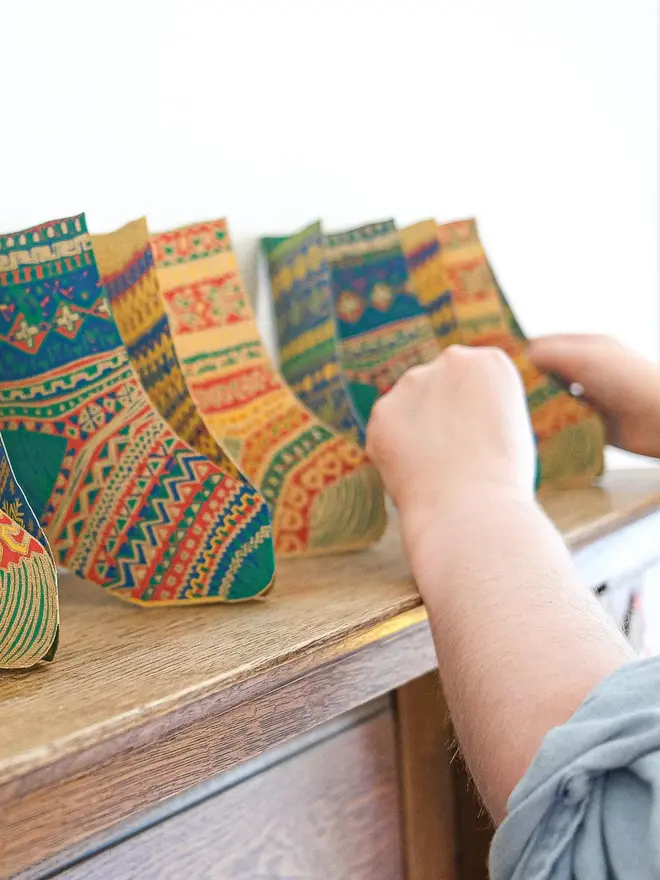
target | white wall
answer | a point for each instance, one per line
(538, 116)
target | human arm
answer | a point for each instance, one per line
(622, 385)
(520, 641)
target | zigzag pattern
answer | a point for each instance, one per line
(123, 498)
(95, 485)
(155, 527)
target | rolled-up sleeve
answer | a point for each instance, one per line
(589, 805)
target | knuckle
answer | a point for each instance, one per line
(474, 359)
(414, 374)
(492, 355)
(456, 353)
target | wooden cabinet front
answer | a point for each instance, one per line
(330, 810)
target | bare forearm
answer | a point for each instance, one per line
(520, 641)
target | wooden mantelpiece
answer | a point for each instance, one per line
(142, 705)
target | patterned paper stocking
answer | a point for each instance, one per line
(310, 356)
(383, 328)
(570, 435)
(123, 500)
(427, 273)
(29, 611)
(127, 270)
(324, 493)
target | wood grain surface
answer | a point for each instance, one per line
(196, 794)
(332, 811)
(140, 704)
(425, 737)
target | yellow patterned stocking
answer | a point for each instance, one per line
(569, 434)
(323, 492)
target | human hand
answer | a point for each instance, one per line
(454, 429)
(623, 386)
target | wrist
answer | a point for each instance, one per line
(459, 518)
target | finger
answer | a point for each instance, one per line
(573, 357)
(572, 338)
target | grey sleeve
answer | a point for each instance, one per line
(589, 805)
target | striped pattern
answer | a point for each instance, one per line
(127, 270)
(310, 355)
(324, 494)
(29, 612)
(422, 251)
